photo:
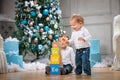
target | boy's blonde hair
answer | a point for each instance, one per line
(77, 18)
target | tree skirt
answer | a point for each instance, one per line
(26, 67)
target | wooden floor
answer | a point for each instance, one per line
(97, 74)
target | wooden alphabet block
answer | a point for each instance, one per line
(54, 69)
(55, 51)
(54, 59)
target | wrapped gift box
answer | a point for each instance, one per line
(16, 59)
(95, 46)
(54, 69)
(94, 58)
(11, 45)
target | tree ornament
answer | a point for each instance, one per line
(24, 22)
(52, 21)
(40, 46)
(31, 23)
(31, 3)
(34, 30)
(34, 35)
(55, 26)
(39, 15)
(26, 3)
(36, 40)
(56, 36)
(41, 30)
(52, 4)
(38, 7)
(47, 19)
(30, 32)
(44, 35)
(40, 24)
(46, 28)
(37, 27)
(50, 37)
(50, 32)
(33, 13)
(59, 12)
(50, 15)
(27, 9)
(64, 32)
(45, 12)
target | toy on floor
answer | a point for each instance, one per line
(95, 55)
(11, 48)
(55, 59)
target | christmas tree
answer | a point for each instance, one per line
(38, 25)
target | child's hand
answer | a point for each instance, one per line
(81, 39)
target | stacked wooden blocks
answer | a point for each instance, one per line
(55, 59)
(95, 55)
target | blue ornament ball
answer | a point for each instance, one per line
(45, 12)
(46, 28)
(34, 35)
(40, 47)
(48, 6)
(37, 27)
(24, 22)
(56, 36)
(33, 13)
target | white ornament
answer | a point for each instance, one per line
(38, 7)
(30, 33)
(64, 32)
(34, 30)
(41, 30)
(31, 23)
(55, 26)
(47, 19)
(50, 15)
(40, 24)
(31, 3)
(39, 15)
(50, 31)
(52, 5)
(59, 12)
(26, 3)
(44, 35)
(52, 22)
(53, 9)
(36, 40)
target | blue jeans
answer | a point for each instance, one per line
(82, 61)
(68, 68)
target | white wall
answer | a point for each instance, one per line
(98, 16)
(7, 8)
